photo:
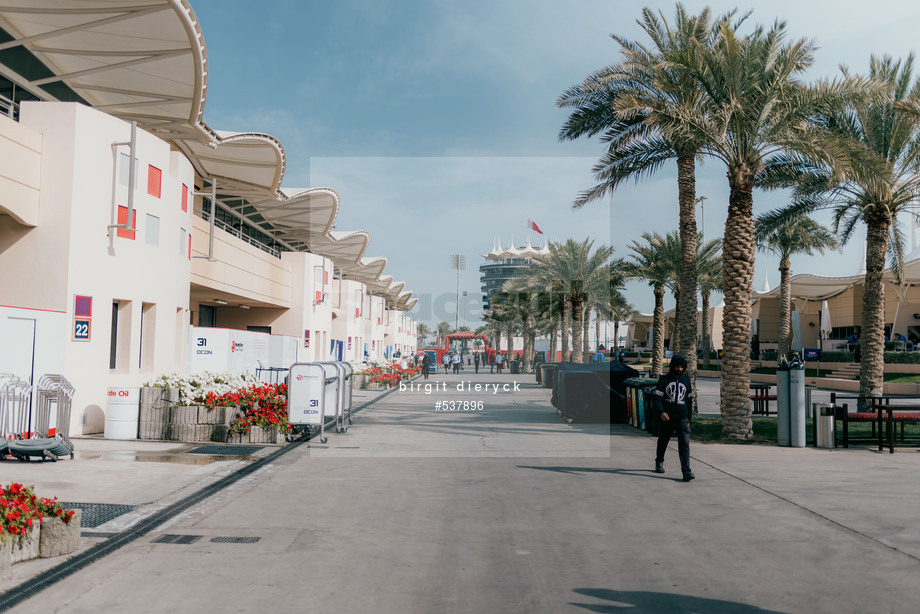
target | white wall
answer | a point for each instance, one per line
(77, 254)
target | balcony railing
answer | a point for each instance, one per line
(9, 108)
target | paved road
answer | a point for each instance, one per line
(509, 509)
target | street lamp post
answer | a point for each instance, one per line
(458, 262)
(702, 202)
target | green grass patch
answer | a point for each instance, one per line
(709, 430)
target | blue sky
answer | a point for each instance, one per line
(436, 121)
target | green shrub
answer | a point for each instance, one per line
(768, 355)
(837, 356)
(902, 358)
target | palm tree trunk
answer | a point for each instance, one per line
(658, 332)
(510, 354)
(687, 282)
(528, 348)
(585, 347)
(706, 340)
(675, 327)
(738, 247)
(785, 309)
(577, 317)
(552, 345)
(872, 337)
(597, 332)
(564, 328)
(616, 335)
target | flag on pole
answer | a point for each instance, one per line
(531, 225)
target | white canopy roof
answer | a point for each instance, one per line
(145, 61)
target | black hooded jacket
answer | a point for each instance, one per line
(673, 394)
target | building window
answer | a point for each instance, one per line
(152, 230)
(113, 344)
(124, 168)
(124, 233)
(154, 180)
(148, 336)
(207, 316)
(120, 344)
(183, 242)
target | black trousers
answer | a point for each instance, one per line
(682, 429)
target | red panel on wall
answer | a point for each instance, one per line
(190, 246)
(184, 198)
(319, 297)
(325, 278)
(154, 180)
(123, 219)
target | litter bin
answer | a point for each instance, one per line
(823, 414)
(515, 367)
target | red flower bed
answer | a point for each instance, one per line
(20, 508)
(264, 406)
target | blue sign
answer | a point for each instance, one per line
(812, 354)
(81, 329)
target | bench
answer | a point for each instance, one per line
(760, 395)
(884, 418)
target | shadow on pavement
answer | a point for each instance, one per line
(639, 602)
(646, 473)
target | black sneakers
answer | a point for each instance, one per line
(659, 468)
(688, 475)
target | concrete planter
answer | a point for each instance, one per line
(27, 548)
(161, 418)
(6, 560)
(58, 537)
(257, 434)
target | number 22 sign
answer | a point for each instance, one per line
(81, 329)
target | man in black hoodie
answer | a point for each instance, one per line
(673, 399)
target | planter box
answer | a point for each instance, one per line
(6, 561)
(161, 418)
(28, 548)
(257, 434)
(58, 537)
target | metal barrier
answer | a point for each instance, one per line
(53, 392)
(15, 408)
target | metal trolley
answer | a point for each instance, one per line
(311, 387)
(53, 392)
(343, 399)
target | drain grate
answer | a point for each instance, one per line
(176, 539)
(95, 514)
(235, 540)
(226, 450)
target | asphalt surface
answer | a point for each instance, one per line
(507, 509)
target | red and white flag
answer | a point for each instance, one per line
(531, 225)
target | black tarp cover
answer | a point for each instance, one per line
(592, 392)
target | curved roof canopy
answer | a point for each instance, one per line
(145, 61)
(527, 251)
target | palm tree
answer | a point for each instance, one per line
(626, 103)
(709, 277)
(756, 114)
(798, 234)
(648, 261)
(422, 330)
(604, 296)
(525, 301)
(574, 265)
(444, 329)
(887, 125)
